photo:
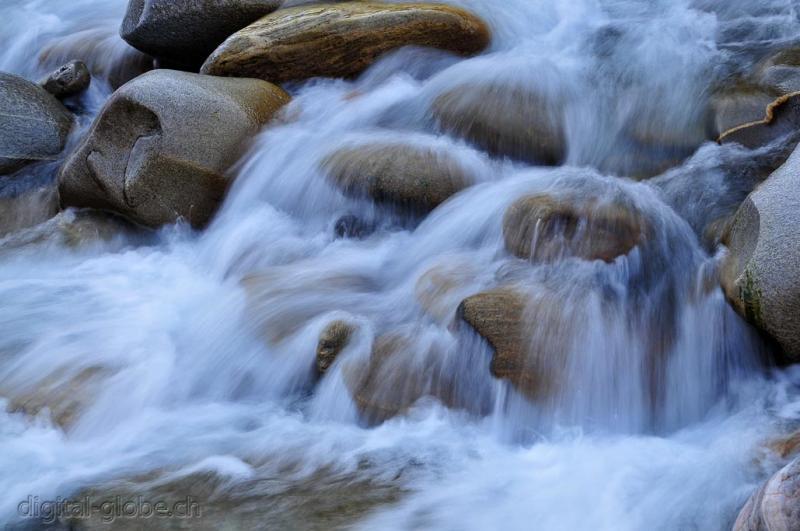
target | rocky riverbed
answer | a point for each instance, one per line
(402, 265)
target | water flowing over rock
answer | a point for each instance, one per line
(33, 124)
(185, 32)
(332, 341)
(410, 178)
(761, 270)
(160, 148)
(546, 228)
(469, 277)
(504, 120)
(776, 505)
(70, 79)
(341, 40)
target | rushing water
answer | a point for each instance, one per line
(149, 354)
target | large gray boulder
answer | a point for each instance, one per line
(776, 505)
(33, 124)
(342, 39)
(185, 32)
(161, 146)
(761, 270)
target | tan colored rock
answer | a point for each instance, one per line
(185, 32)
(33, 124)
(781, 118)
(505, 121)
(333, 339)
(410, 178)
(776, 505)
(530, 343)
(65, 398)
(393, 379)
(72, 229)
(440, 290)
(342, 39)
(161, 147)
(546, 228)
(761, 271)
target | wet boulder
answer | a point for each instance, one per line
(33, 124)
(505, 121)
(160, 148)
(780, 72)
(410, 178)
(342, 39)
(27, 208)
(185, 32)
(546, 228)
(776, 505)
(107, 56)
(761, 271)
(527, 334)
(398, 373)
(70, 79)
(332, 341)
(780, 118)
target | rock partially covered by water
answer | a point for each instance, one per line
(33, 124)
(781, 118)
(411, 178)
(776, 505)
(333, 339)
(70, 79)
(160, 149)
(184, 33)
(761, 271)
(505, 121)
(525, 330)
(397, 374)
(546, 228)
(341, 40)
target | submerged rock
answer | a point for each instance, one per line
(394, 378)
(776, 505)
(505, 121)
(161, 146)
(761, 270)
(546, 228)
(333, 339)
(524, 329)
(27, 208)
(342, 39)
(410, 178)
(33, 124)
(70, 79)
(184, 33)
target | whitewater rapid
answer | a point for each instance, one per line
(156, 345)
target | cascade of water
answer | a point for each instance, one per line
(183, 356)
